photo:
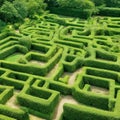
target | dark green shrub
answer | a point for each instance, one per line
(76, 4)
(35, 7)
(15, 10)
(75, 8)
(98, 2)
(8, 12)
(107, 11)
(2, 25)
(112, 3)
(21, 8)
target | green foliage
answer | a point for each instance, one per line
(80, 8)
(98, 2)
(13, 11)
(76, 8)
(26, 41)
(76, 4)
(112, 3)
(35, 7)
(16, 10)
(8, 12)
(108, 3)
(116, 46)
(2, 1)
(2, 25)
(74, 112)
(12, 112)
(21, 8)
(51, 3)
(110, 11)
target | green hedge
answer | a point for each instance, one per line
(14, 113)
(3, 117)
(12, 49)
(107, 11)
(77, 112)
(42, 101)
(102, 73)
(112, 3)
(71, 12)
(42, 48)
(91, 99)
(16, 79)
(11, 82)
(72, 66)
(61, 87)
(24, 68)
(5, 94)
(102, 64)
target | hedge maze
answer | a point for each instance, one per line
(56, 56)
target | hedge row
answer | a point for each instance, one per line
(93, 99)
(18, 114)
(102, 73)
(75, 112)
(3, 117)
(103, 107)
(36, 99)
(103, 64)
(37, 70)
(16, 79)
(5, 94)
(108, 11)
(71, 12)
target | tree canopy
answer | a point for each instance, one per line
(17, 10)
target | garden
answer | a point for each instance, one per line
(60, 60)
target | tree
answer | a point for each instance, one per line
(21, 8)
(2, 1)
(8, 12)
(16, 10)
(35, 7)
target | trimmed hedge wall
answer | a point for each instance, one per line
(42, 101)
(15, 113)
(71, 12)
(5, 94)
(3, 117)
(107, 11)
(75, 112)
